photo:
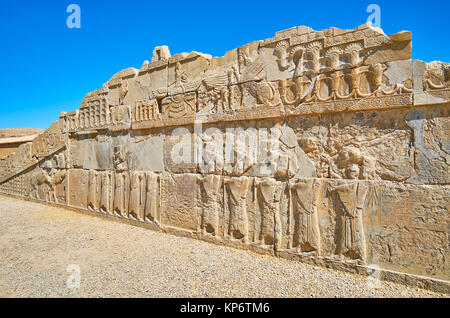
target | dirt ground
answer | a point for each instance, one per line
(42, 248)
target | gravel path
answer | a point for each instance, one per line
(37, 243)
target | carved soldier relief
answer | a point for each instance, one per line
(236, 189)
(106, 192)
(351, 241)
(211, 186)
(121, 194)
(304, 196)
(94, 191)
(152, 200)
(137, 196)
(271, 227)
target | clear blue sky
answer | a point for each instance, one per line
(47, 68)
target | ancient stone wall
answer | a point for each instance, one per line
(329, 146)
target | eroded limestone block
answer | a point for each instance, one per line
(179, 202)
(78, 186)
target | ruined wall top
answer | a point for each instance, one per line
(297, 72)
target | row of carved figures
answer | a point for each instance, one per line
(136, 195)
(126, 194)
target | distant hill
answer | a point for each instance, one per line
(19, 132)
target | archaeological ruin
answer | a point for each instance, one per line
(327, 147)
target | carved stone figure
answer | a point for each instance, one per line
(105, 199)
(237, 189)
(93, 192)
(280, 51)
(152, 197)
(137, 196)
(120, 162)
(304, 197)
(270, 194)
(42, 186)
(211, 185)
(350, 198)
(351, 163)
(121, 194)
(265, 93)
(57, 179)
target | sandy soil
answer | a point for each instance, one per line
(38, 243)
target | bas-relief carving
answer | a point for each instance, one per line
(271, 227)
(211, 192)
(137, 196)
(152, 198)
(146, 111)
(430, 148)
(106, 192)
(122, 160)
(303, 215)
(349, 201)
(236, 192)
(94, 191)
(326, 74)
(335, 101)
(436, 79)
(121, 197)
(49, 185)
(179, 202)
(18, 186)
(179, 106)
(350, 163)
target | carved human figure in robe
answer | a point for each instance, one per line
(93, 191)
(211, 185)
(151, 210)
(270, 195)
(237, 189)
(180, 79)
(120, 194)
(137, 196)
(349, 200)
(105, 199)
(304, 200)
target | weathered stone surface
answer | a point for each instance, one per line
(328, 146)
(180, 202)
